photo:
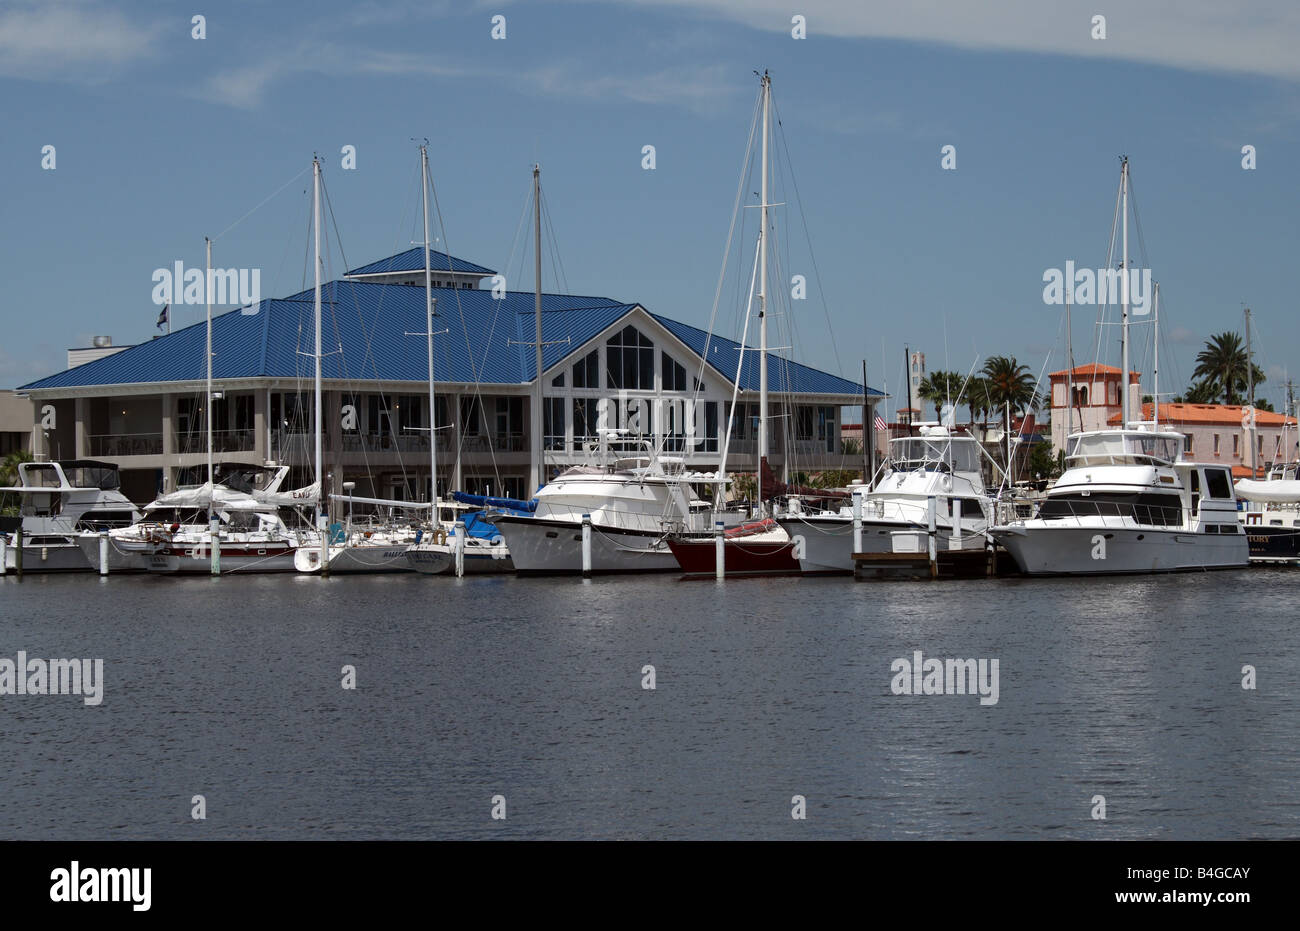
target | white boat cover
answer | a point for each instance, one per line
(1278, 491)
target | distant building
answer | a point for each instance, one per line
(1218, 433)
(16, 423)
(1096, 398)
(100, 346)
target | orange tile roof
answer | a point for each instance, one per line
(1209, 414)
(1093, 369)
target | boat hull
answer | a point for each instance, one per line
(1274, 544)
(826, 544)
(358, 560)
(1074, 550)
(49, 557)
(268, 557)
(540, 546)
(740, 558)
(440, 559)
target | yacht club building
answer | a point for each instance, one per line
(605, 364)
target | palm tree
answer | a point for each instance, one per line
(1200, 392)
(1221, 367)
(9, 477)
(940, 388)
(1010, 386)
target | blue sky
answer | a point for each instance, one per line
(162, 139)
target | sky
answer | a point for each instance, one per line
(161, 139)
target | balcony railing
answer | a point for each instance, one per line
(223, 441)
(125, 444)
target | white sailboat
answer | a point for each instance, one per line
(1126, 502)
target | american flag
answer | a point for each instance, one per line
(880, 424)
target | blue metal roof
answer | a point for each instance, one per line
(783, 375)
(411, 260)
(364, 332)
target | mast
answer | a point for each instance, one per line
(762, 301)
(1155, 359)
(322, 519)
(907, 377)
(1250, 391)
(1069, 372)
(428, 313)
(1125, 401)
(868, 448)
(207, 287)
(537, 471)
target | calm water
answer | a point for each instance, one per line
(531, 689)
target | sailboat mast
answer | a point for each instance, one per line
(1250, 391)
(1155, 358)
(537, 470)
(1069, 371)
(207, 287)
(315, 212)
(428, 313)
(1125, 402)
(762, 301)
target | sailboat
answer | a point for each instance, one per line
(1127, 502)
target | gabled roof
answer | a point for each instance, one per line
(369, 322)
(782, 374)
(412, 260)
(364, 335)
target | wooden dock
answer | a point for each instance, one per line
(948, 564)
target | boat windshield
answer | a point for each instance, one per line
(960, 454)
(1124, 447)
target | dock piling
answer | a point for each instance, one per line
(586, 546)
(720, 551)
(103, 552)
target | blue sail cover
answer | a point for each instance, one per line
(509, 505)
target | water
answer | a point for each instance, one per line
(531, 689)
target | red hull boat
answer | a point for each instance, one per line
(748, 550)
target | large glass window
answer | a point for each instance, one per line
(553, 423)
(629, 361)
(584, 420)
(586, 371)
(674, 373)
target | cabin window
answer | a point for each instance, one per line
(629, 360)
(1217, 483)
(1155, 509)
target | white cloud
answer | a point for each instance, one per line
(1197, 35)
(69, 41)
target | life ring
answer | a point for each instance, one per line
(439, 537)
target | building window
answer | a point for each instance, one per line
(803, 428)
(586, 371)
(553, 423)
(510, 423)
(584, 420)
(470, 422)
(558, 381)
(629, 361)
(826, 427)
(1216, 444)
(1236, 440)
(711, 430)
(674, 374)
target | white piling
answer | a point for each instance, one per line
(857, 521)
(586, 546)
(719, 550)
(4, 544)
(103, 553)
(931, 513)
(459, 549)
(214, 542)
